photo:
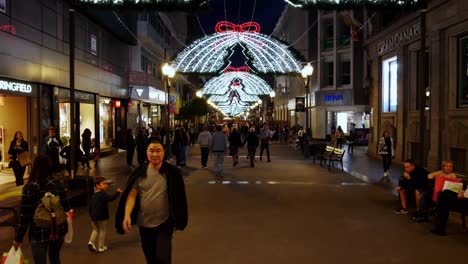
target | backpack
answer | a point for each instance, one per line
(49, 212)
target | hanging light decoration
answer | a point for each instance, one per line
(353, 4)
(159, 5)
(240, 79)
(210, 54)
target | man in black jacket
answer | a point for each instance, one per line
(155, 199)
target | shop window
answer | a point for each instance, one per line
(463, 72)
(106, 122)
(345, 72)
(427, 77)
(389, 85)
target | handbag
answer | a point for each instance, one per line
(24, 158)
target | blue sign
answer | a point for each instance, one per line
(333, 98)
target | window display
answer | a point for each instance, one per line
(106, 122)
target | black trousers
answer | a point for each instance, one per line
(387, 161)
(205, 151)
(156, 243)
(264, 146)
(447, 201)
(130, 154)
(18, 170)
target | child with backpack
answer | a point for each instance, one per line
(99, 213)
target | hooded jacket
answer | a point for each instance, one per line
(175, 191)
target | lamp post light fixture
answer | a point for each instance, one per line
(307, 71)
(169, 72)
(199, 94)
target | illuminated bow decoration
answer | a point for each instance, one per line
(240, 69)
(8, 28)
(224, 26)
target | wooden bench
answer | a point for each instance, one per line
(337, 155)
(324, 155)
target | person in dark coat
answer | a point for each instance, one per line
(86, 144)
(140, 142)
(66, 154)
(52, 148)
(234, 145)
(17, 146)
(155, 199)
(99, 214)
(252, 141)
(130, 146)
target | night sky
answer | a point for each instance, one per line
(266, 13)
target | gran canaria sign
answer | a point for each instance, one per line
(400, 38)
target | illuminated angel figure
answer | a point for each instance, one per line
(210, 54)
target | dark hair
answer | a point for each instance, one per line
(98, 180)
(154, 140)
(410, 161)
(218, 128)
(16, 133)
(41, 169)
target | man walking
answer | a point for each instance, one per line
(52, 148)
(204, 140)
(219, 147)
(265, 136)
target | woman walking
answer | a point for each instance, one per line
(386, 150)
(44, 241)
(339, 135)
(86, 144)
(17, 146)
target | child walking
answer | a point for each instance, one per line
(99, 213)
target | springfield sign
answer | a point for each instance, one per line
(399, 38)
(15, 87)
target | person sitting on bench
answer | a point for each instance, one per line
(414, 180)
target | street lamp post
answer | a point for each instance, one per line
(307, 71)
(169, 73)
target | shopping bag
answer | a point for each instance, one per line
(439, 185)
(453, 186)
(13, 256)
(69, 235)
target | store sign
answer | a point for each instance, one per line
(3, 6)
(157, 96)
(80, 97)
(93, 45)
(333, 98)
(15, 87)
(399, 38)
(300, 104)
(148, 94)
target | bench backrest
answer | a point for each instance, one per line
(338, 151)
(329, 149)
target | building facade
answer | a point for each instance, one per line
(34, 73)
(395, 59)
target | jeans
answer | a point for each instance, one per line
(156, 243)
(40, 249)
(264, 146)
(205, 151)
(183, 154)
(252, 151)
(98, 236)
(218, 162)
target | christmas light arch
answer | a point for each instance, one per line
(210, 54)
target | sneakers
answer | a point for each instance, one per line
(91, 247)
(401, 210)
(102, 249)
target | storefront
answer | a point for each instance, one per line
(336, 108)
(18, 112)
(85, 109)
(147, 107)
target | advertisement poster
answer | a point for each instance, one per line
(93, 44)
(300, 104)
(3, 6)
